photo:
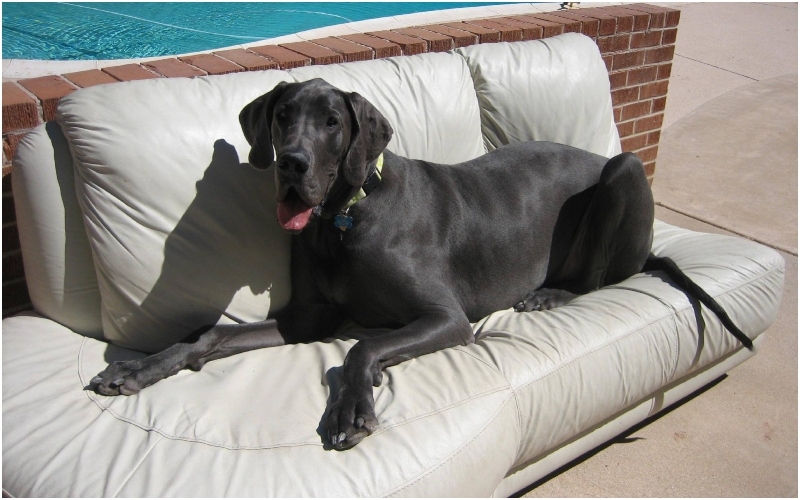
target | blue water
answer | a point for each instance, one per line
(120, 30)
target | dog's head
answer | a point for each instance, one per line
(324, 141)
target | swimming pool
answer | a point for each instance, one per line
(121, 30)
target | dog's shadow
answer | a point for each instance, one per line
(220, 245)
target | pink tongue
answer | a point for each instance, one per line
(293, 215)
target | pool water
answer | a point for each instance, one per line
(122, 30)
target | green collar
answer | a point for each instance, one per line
(372, 181)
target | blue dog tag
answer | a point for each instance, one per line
(343, 222)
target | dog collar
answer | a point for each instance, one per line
(372, 181)
(344, 221)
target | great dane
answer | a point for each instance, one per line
(419, 248)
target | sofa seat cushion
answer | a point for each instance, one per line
(454, 422)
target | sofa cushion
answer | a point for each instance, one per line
(453, 422)
(556, 89)
(428, 99)
(181, 227)
(59, 269)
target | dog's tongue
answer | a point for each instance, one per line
(293, 215)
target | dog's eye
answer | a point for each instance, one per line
(282, 114)
(332, 121)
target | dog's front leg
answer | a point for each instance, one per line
(352, 416)
(129, 377)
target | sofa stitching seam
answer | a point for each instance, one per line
(452, 455)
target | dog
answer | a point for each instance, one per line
(419, 248)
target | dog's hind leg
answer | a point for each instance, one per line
(612, 241)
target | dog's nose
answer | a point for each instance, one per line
(294, 162)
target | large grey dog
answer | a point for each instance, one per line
(420, 248)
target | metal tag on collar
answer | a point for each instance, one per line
(343, 221)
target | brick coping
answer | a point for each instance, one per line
(18, 69)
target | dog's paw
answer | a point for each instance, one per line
(544, 299)
(352, 418)
(120, 378)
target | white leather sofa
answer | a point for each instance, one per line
(140, 220)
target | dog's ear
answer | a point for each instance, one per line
(369, 135)
(256, 122)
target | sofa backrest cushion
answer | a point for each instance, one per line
(59, 269)
(181, 227)
(555, 89)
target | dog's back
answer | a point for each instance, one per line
(492, 229)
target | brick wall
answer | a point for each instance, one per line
(636, 41)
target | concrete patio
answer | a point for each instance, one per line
(727, 164)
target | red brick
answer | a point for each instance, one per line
(318, 54)
(660, 54)
(659, 105)
(460, 37)
(589, 26)
(614, 43)
(648, 154)
(669, 36)
(130, 72)
(10, 142)
(607, 60)
(608, 23)
(634, 142)
(382, 48)
(485, 35)
(635, 110)
(247, 60)
(642, 75)
(508, 33)
(641, 20)
(409, 45)
(90, 78)
(49, 89)
(349, 51)
(658, 15)
(650, 171)
(646, 39)
(653, 138)
(211, 64)
(624, 18)
(664, 71)
(286, 59)
(625, 129)
(624, 96)
(570, 25)
(617, 115)
(19, 108)
(655, 89)
(434, 42)
(173, 68)
(649, 123)
(628, 60)
(530, 31)
(549, 27)
(618, 80)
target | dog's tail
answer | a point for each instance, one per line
(673, 271)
